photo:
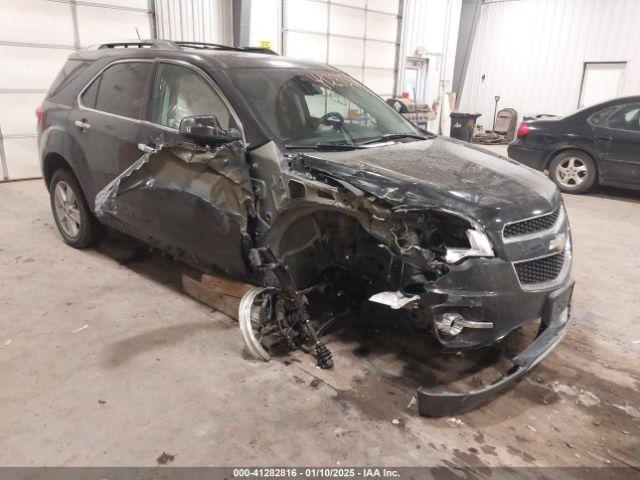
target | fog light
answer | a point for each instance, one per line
(452, 323)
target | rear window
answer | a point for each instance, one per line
(69, 72)
(119, 89)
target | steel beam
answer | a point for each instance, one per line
(469, 18)
(241, 22)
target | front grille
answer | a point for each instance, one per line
(540, 270)
(532, 225)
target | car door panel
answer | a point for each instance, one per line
(618, 142)
(193, 200)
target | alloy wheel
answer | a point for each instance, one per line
(571, 172)
(67, 209)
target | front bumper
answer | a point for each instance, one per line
(555, 321)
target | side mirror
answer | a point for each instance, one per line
(206, 130)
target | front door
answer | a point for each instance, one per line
(195, 202)
(618, 142)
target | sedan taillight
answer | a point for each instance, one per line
(39, 117)
(523, 129)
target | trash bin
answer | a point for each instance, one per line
(463, 125)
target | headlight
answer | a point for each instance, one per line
(440, 234)
(479, 246)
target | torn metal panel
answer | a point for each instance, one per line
(227, 161)
(194, 199)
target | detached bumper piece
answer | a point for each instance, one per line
(555, 320)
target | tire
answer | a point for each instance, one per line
(76, 224)
(573, 171)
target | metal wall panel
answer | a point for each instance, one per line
(431, 30)
(208, 21)
(125, 24)
(36, 37)
(532, 53)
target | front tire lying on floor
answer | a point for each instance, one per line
(573, 171)
(74, 220)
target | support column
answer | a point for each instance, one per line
(469, 18)
(241, 22)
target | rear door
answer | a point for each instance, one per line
(618, 141)
(106, 124)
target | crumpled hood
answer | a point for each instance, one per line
(444, 173)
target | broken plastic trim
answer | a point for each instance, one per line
(394, 300)
(480, 247)
(436, 403)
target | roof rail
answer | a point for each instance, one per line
(177, 44)
(142, 43)
(218, 46)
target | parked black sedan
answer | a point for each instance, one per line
(597, 144)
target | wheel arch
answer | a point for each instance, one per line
(53, 162)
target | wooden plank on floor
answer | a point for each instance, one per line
(221, 302)
(225, 285)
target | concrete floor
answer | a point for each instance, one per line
(104, 362)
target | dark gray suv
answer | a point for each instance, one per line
(294, 177)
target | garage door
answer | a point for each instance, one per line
(36, 37)
(358, 36)
(208, 21)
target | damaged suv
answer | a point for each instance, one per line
(294, 177)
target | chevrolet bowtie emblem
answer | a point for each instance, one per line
(558, 242)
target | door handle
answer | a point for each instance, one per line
(147, 148)
(82, 125)
(604, 139)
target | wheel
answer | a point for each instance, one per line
(74, 220)
(254, 316)
(573, 171)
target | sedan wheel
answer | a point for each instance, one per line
(571, 172)
(67, 209)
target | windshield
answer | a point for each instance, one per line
(302, 107)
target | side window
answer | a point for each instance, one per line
(120, 89)
(88, 97)
(180, 92)
(627, 118)
(599, 117)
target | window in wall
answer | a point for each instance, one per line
(180, 92)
